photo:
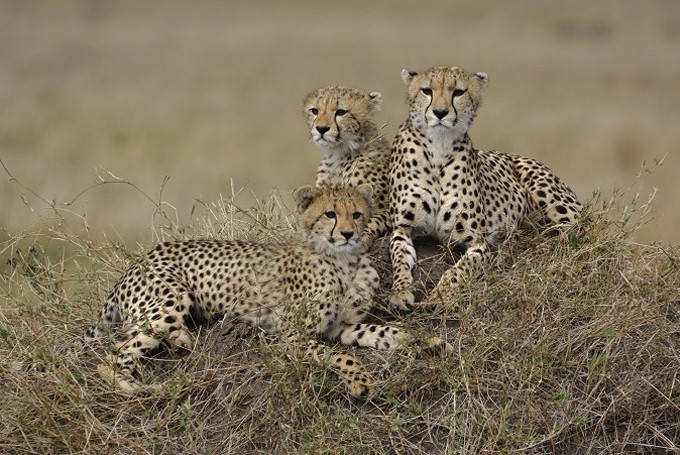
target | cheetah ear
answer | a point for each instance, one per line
(376, 99)
(483, 79)
(407, 76)
(366, 190)
(304, 196)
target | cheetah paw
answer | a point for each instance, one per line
(125, 384)
(402, 300)
(436, 344)
(360, 384)
(439, 297)
(358, 390)
(366, 244)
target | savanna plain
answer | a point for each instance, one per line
(127, 123)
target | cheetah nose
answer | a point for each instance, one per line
(347, 234)
(440, 113)
(322, 129)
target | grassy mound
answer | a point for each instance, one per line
(568, 344)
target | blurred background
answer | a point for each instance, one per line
(209, 94)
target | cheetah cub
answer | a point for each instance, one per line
(353, 150)
(321, 276)
(443, 187)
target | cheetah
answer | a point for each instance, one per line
(353, 150)
(322, 275)
(441, 186)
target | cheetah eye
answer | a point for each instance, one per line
(426, 91)
(459, 92)
(314, 111)
(356, 215)
(330, 214)
(340, 112)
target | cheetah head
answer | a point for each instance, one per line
(333, 219)
(443, 100)
(341, 119)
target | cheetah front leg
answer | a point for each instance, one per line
(377, 227)
(403, 256)
(376, 336)
(347, 326)
(350, 331)
(384, 337)
(346, 367)
(468, 267)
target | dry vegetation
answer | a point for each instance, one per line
(570, 344)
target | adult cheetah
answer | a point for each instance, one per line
(443, 187)
(341, 123)
(322, 276)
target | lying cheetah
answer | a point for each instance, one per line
(323, 277)
(341, 123)
(443, 187)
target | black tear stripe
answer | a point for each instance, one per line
(335, 222)
(431, 99)
(337, 127)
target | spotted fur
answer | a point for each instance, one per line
(443, 187)
(341, 124)
(322, 278)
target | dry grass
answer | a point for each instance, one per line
(568, 345)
